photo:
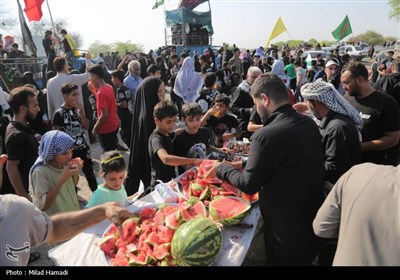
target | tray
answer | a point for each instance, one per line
(239, 148)
(181, 193)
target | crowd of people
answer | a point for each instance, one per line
(308, 125)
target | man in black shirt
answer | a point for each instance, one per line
(242, 101)
(21, 144)
(381, 117)
(124, 105)
(339, 124)
(285, 166)
(49, 49)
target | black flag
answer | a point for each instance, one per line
(26, 33)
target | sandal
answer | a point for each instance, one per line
(33, 257)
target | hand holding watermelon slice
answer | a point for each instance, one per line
(75, 163)
(209, 168)
(3, 159)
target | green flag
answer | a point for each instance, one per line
(342, 30)
(158, 4)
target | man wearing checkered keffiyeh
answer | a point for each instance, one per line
(340, 127)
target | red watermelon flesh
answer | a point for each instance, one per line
(229, 210)
(250, 198)
(229, 188)
(107, 244)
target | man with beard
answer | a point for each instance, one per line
(21, 144)
(331, 74)
(286, 167)
(339, 126)
(381, 117)
(242, 101)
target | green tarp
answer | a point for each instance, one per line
(183, 15)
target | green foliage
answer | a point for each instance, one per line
(395, 12)
(326, 43)
(313, 42)
(371, 37)
(390, 39)
(100, 47)
(292, 43)
(121, 47)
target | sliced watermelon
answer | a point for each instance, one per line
(250, 198)
(147, 213)
(229, 210)
(128, 229)
(205, 194)
(120, 259)
(152, 239)
(162, 251)
(107, 244)
(229, 188)
(172, 220)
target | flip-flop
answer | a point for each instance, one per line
(33, 257)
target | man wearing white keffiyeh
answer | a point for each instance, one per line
(339, 126)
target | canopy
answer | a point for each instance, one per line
(183, 15)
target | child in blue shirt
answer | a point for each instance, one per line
(113, 170)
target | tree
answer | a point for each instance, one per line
(313, 42)
(38, 27)
(371, 37)
(326, 43)
(389, 38)
(121, 47)
(395, 12)
(99, 47)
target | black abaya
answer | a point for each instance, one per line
(142, 126)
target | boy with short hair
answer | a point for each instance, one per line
(162, 158)
(124, 105)
(221, 122)
(208, 92)
(193, 141)
(70, 118)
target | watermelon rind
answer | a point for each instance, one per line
(229, 221)
(196, 243)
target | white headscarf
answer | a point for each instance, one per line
(188, 82)
(331, 98)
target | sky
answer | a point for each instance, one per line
(247, 24)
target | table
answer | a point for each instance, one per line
(82, 251)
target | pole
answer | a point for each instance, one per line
(51, 17)
(209, 9)
(165, 26)
(58, 41)
(289, 35)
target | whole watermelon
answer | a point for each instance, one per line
(196, 243)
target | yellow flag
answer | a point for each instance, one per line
(278, 29)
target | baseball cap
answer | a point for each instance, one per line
(332, 61)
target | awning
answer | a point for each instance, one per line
(183, 15)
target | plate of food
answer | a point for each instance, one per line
(239, 147)
(151, 238)
(193, 183)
